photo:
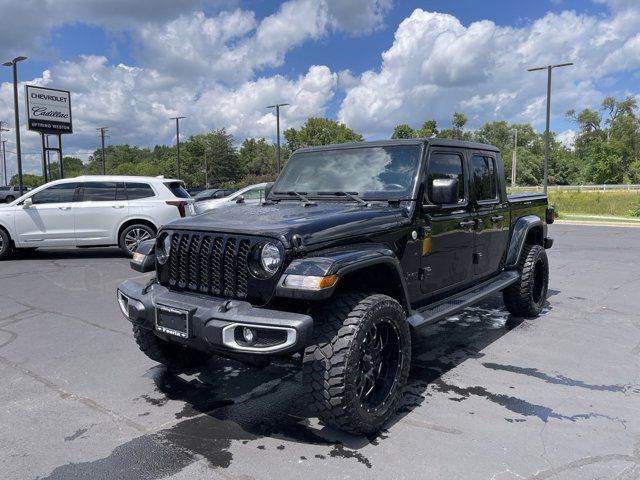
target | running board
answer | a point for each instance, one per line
(449, 306)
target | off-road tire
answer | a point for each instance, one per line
(131, 229)
(527, 296)
(6, 247)
(331, 363)
(174, 356)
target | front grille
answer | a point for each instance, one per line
(209, 263)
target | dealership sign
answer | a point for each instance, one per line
(48, 110)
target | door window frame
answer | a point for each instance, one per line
(465, 175)
(492, 157)
(74, 199)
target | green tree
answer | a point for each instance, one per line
(403, 131)
(257, 157)
(428, 129)
(223, 161)
(73, 167)
(604, 164)
(456, 131)
(320, 131)
(28, 180)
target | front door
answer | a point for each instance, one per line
(447, 246)
(49, 221)
(492, 214)
(101, 208)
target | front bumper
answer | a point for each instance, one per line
(213, 322)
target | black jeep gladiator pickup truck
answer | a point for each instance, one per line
(356, 246)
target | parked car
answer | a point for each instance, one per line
(356, 246)
(212, 193)
(92, 211)
(251, 195)
(9, 193)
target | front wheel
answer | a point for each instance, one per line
(526, 297)
(133, 235)
(5, 245)
(356, 370)
(9, 199)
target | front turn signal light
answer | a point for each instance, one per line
(309, 282)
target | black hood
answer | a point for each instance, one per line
(325, 221)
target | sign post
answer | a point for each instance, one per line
(49, 113)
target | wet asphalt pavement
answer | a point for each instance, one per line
(490, 396)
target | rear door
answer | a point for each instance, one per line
(491, 213)
(49, 221)
(447, 248)
(102, 206)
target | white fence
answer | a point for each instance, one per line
(579, 188)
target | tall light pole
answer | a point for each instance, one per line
(277, 107)
(4, 156)
(4, 161)
(177, 119)
(14, 63)
(548, 68)
(102, 131)
(514, 159)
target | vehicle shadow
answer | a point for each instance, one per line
(246, 404)
(67, 253)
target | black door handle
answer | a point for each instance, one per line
(467, 224)
(497, 218)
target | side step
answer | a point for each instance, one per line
(449, 306)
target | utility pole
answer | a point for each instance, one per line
(4, 156)
(514, 160)
(177, 119)
(14, 63)
(277, 107)
(548, 68)
(206, 171)
(102, 131)
(4, 161)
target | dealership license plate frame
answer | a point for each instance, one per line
(172, 329)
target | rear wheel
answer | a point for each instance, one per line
(9, 198)
(5, 245)
(133, 235)
(356, 371)
(526, 297)
(174, 356)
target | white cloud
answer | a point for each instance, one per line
(437, 65)
(567, 137)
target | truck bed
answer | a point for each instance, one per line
(526, 203)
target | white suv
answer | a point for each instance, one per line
(91, 211)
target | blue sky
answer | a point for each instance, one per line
(369, 63)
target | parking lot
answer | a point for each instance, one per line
(490, 397)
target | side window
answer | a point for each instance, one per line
(136, 191)
(483, 172)
(445, 165)
(61, 193)
(254, 194)
(99, 192)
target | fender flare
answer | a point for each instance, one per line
(519, 233)
(341, 263)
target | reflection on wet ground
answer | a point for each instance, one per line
(229, 402)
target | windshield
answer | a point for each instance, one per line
(205, 193)
(373, 172)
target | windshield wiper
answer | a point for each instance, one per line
(300, 195)
(350, 195)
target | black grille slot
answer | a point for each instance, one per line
(210, 263)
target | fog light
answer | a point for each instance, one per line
(249, 335)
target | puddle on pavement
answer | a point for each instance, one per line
(229, 403)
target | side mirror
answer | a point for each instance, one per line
(27, 203)
(240, 199)
(444, 191)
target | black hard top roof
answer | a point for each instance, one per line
(434, 142)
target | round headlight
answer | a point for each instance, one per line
(270, 258)
(163, 248)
